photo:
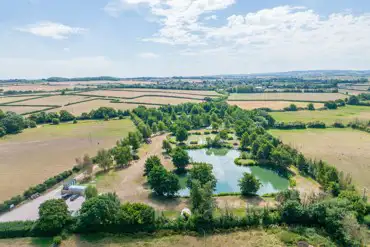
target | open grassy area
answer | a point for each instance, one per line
(288, 96)
(276, 237)
(53, 100)
(164, 100)
(274, 105)
(346, 149)
(36, 154)
(343, 114)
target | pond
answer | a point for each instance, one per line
(228, 174)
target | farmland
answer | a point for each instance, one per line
(7, 100)
(77, 109)
(22, 109)
(164, 100)
(319, 97)
(274, 105)
(37, 87)
(342, 114)
(128, 94)
(53, 100)
(346, 149)
(36, 154)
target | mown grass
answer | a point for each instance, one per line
(343, 114)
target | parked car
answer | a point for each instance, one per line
(74, 197)
(66, 196)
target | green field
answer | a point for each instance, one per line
(37, 154)
(343, 114)
(346, 149)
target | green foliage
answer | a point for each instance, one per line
(249, 184)
(166, 145)
(281, 157)
(201, 200)
(311, 107)
(91, 192)
(224, 134)
(245, 141)
(57, 240)
(98, 213)
(287, 195)
(181, 134)
(180, 159)
(12, 123)
(134, 217)
(331, 105)
(201, 172)
(163, 182)
(150, 163)
(66, 116)
(291, 107)
(55, 121)
(122, 155)
(16, 229)
(104, 159)
(358, 204)
(53, 217)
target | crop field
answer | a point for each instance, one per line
(346, 149)
(53, 100)
(352, 91)
(7, 100)
(274, 105)
(37, 87)
(78, 109)
(321, 97)
(343, 114)
(36, 154)
(134, 94)
(164, 100)
(21, 109)
(190, 92)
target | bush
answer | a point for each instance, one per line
(16, 229)
(367, 220)
(338, 125)
(207, 133)
(245, 162)
(55, 121)
(292, 125)
(136, 217)
(249, 184)
(316, 125)
(57, 240)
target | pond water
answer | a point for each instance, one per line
(228, 174)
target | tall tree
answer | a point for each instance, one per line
(181, 134)
(53, 216)
(180, 159)
(104, 159)
(249, 184)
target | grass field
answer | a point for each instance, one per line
(274, 105)
(343, 114)
(53, 100)
(21, 109)
(191, 92)
(352, 91)
(276, 237)
(164, 100)
(37, 87)
(79, 108)
(346, 149)
(288, 96)
(138, 93)
(37, 154)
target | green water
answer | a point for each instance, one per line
(228, 174)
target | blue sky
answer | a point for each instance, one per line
(128, 38)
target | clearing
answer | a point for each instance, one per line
(344, 115)
(346, 149)
(78, 109)
(320, 97)
(36, 154)
(274, 105)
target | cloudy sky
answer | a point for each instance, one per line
(127, 38)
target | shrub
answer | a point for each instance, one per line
(57, 240)
(316, 125)
(367, 220)
(249, 184)
(245, 162)
(338, 125)
(55, 121)
(16, 229)
(134, 217)
(207, 132)
(194, 142)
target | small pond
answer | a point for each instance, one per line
(228, 174)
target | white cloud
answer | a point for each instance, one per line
(66, 49)
(148, 55)
(51, 30)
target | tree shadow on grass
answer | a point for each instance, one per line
(171, 202)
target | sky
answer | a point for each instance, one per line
(131, 38)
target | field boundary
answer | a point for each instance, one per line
(23, 100)
(141, 96)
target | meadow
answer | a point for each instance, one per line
(274, 105)
(21, 109)
(60, 100)
(7, 100)
(346, 149)
(164, 100)
(319, 97)
(343, 114)
(37, 154)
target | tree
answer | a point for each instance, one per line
(163, 182)
(201, 200)
(12, 123)
(292, 212)
(91, 192)
(353, 100)
(98, 213)
(104, 159)
(249, 184)
(154, 127)
(134, 140)
(66, 116)
(215, 126)
(55, 121)
(161, 126)
(281, 157)
(223, 134)
(310, 107)
(166, 145)
(2, 132)
(302, 164)
(180, 159)
(87, 163)
(203, 173)
(53, 216)
(134, 217)
(181, 134)
(150, 163)
(122, 155)
(145, 131)
(245, 141)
